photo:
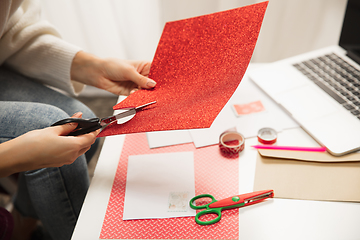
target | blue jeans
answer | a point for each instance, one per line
(53, 195)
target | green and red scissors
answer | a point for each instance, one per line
(215, 207)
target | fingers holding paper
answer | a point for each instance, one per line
(125, 77)
(117, 76)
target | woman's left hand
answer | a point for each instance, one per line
(121, 77)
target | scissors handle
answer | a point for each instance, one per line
(84, 125)
(193, 206)
(216, 211)
(208, 210)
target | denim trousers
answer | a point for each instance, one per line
(52, 195)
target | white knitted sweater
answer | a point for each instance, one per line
(33, 47)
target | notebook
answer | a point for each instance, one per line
(321, 89)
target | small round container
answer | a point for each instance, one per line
(231, 142)
(267, 136)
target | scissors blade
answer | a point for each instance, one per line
(258, 196)
(243, 199)
(127, 113)
(145, 105)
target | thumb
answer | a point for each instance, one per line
(77, 115)
(142, 81)
(64, 130)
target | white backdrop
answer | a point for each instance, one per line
(131, 29)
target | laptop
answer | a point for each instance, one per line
(321, 89)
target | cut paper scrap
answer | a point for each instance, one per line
(214, 174)
(248, 108)
(198, 64)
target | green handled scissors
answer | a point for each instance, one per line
(215, 207)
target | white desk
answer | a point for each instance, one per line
(273, 219)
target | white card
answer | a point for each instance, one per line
(159, 186)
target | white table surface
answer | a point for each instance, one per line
(273, 219)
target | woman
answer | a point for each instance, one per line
(53, 166)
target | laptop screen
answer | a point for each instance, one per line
(350, 33)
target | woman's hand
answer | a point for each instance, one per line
(120, 77)
(48, 147)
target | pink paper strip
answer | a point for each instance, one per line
(291, 148)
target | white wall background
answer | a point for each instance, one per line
(131, 29)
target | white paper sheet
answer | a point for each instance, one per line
(159, 186)
(168, 138)
(249, 126)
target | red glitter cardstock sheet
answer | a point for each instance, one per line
(198, 65)
(214, 174)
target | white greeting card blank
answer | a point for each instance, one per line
(159, 186)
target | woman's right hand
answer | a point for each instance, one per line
(48, 147)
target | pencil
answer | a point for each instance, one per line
(291, 148)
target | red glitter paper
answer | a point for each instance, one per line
(198, 65)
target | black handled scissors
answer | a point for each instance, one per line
(89, 125)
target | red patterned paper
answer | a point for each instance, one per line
(198, 65)
(214, 174)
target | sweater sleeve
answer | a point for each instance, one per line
(34, 48)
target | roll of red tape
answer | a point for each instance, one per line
(267, 136)
(231, 142)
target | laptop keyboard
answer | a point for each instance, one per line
(337, 78)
